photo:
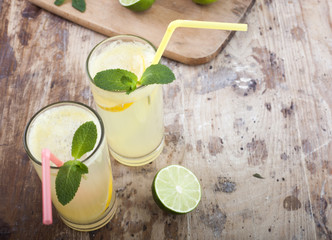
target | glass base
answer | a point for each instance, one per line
(102, 221)
(139, 161)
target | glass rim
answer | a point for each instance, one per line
(25, 135)
(109, 39)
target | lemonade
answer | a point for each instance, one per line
(133, 122)
(53, 127)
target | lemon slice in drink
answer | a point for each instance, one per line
(176, 189)
(117, 108)
(204, 2)
(137, 5)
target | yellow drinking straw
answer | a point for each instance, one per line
(194, 24)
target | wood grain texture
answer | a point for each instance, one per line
(263, 105)
(189, 46)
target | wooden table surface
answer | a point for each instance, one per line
(262, 106)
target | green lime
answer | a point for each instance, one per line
(204, 2)
(176, 189)
(137, 5)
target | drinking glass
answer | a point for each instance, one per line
(134, 122)
(53, 127)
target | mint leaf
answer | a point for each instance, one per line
(70, 173)
(79, 5)
(116, 80)
(82, 167)
(131, 83)
(123, 80)
(59, 2)
(157, 74)
(68, 180)
(84, 139)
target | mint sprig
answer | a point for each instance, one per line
(80, 5)
(123, 80)
(70, 173)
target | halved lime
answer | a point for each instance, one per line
(137, 5)
(176, 189)
(204, 2)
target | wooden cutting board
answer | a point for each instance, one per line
(189, 46)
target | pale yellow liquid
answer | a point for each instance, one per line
(134, 122)
(54, 129)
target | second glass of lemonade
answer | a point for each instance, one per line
(133, 122)
(53, 127)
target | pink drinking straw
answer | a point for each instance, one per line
(46, 187)
(55, 160)
(47, 156)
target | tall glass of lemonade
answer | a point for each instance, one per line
(133, 122)
(53, 127)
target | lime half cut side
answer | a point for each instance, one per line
(176, 189)
(137, 5)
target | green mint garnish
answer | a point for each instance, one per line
(70, 173)
(59, 2)
(78, 4)
(68, 180)
(123, 80)
(157, 74)
(116, 80)
(84, 139)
